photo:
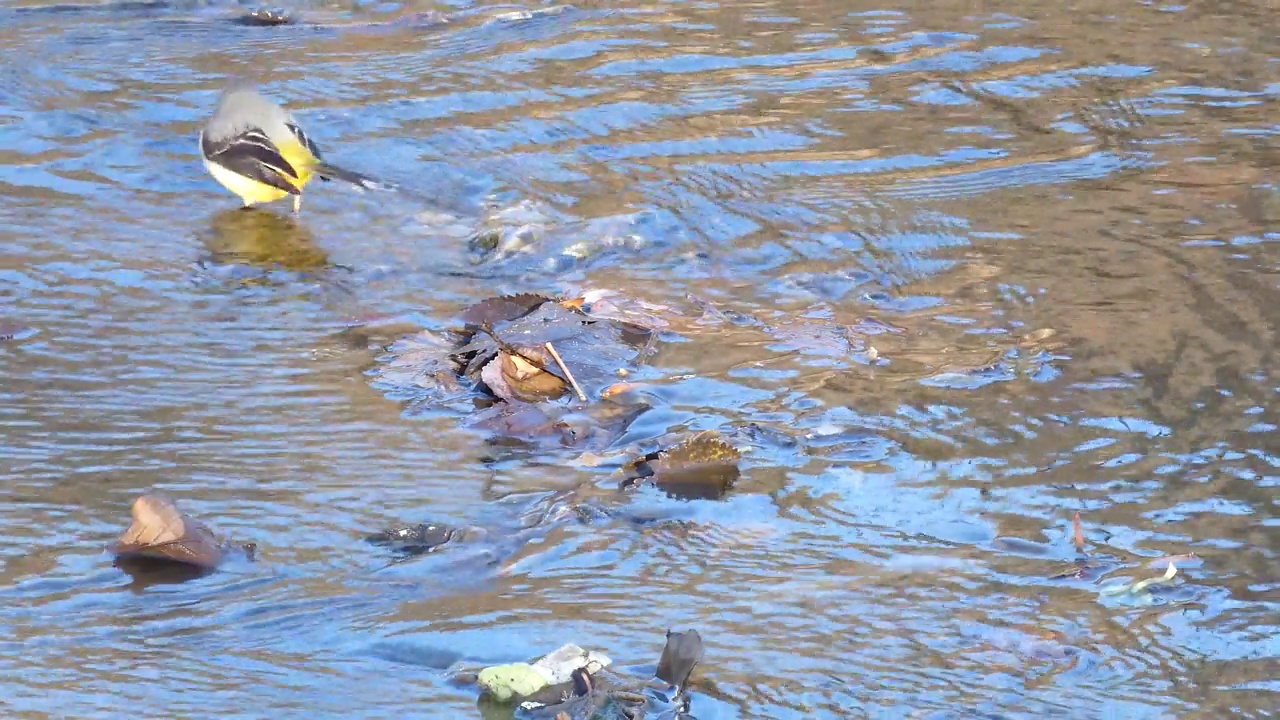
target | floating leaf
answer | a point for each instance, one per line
(162, 532)
(702, 467)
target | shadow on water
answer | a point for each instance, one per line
(945, 276)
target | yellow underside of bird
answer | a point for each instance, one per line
(252, 192)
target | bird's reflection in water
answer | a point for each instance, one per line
(256, 246)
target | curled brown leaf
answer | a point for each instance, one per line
(513, 378)
(162, 532)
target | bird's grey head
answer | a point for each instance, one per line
(242, 107)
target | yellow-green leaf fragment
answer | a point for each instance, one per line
(507, 682)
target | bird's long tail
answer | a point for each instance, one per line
(330, 172)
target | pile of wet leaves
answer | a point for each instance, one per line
(531, 367)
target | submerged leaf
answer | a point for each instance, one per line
(162, 532)
(702, 467)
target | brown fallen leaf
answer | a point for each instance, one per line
(162, 532)
(514, 379)
(702, 467)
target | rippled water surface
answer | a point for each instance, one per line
(964, 270)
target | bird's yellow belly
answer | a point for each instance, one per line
(250, 191)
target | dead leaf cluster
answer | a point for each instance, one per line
(532, 348)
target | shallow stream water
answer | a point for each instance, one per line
(969, 269)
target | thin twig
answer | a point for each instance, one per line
(565, 368)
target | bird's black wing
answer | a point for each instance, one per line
(252, 154)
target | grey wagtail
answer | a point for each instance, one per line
(255, 149)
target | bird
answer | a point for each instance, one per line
(253, 147)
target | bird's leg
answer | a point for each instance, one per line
(297, 203)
